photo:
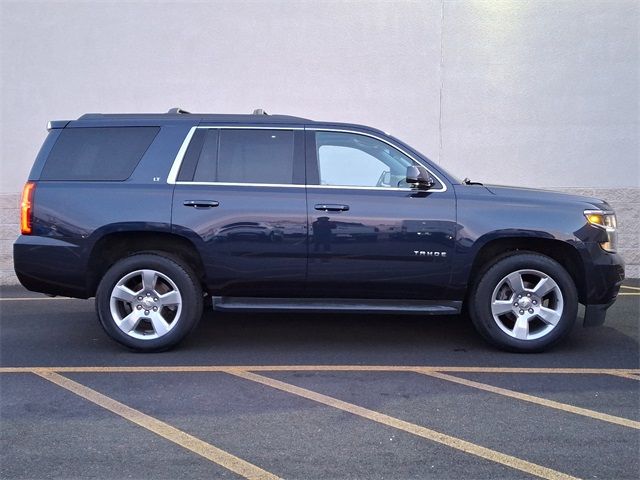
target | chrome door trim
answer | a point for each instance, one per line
(177, 162)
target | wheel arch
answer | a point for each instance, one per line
(562, 252)
(117, 245)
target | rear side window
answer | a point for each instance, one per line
(241, 156)
(99, 154)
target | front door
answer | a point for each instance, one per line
(371, 234)
(240, 198)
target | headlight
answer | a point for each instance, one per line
(605, 220)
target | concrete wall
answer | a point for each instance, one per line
(538, 93)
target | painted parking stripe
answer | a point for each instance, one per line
(206, 450)
(20, 299)
(320, 368)
(420, 431)
(625, 422)
(633, 376)
(630, 287)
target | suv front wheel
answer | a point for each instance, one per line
(149, 301)
(525, 302)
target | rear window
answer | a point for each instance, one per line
(99, 154)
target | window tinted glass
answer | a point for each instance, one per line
(208, 161)
(251, 156)
(357, 160)
(190, 160)
(107, 154)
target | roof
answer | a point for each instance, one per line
(180, 117)
(196, 117)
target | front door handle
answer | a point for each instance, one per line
(327, 207)
(201, 203)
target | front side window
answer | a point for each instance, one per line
(349, 159)
(240, 156)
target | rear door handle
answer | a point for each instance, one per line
(201, 203)
(327, 207)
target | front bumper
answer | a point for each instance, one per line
(604, 274)
(595, 315)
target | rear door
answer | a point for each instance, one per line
(240, 198)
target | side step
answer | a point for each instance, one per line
(356, 305)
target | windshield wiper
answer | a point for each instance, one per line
(467, 181)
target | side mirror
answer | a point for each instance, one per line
(419, 176)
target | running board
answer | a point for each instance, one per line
(356, 305)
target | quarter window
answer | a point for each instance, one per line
(97, 153)
(356, 160)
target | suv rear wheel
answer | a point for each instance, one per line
(149, 302)
(525, 302)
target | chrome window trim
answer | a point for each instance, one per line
(382, 189)
(295, 185)
(356, 132)
(177, 162)
(234, 184)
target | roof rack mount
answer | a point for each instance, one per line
(259, 111)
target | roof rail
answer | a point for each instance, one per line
(259, 111)
(177, 110)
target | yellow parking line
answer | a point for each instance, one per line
(322, 368)
(633, 294)
(204, 449)
(18, 299)
(625, 375)
(453, 442)
(533, 399)
(630, 287)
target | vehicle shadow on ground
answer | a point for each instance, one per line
(393, 340)
(69, 334)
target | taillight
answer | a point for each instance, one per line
(26, 208)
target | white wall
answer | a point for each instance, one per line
(539, 93)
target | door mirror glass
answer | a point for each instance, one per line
(420, 177)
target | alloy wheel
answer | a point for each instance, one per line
(527, 304)
(145, 304)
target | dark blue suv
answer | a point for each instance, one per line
(156, 214)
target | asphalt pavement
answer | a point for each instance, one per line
(304, 396)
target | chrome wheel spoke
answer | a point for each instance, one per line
(149, 280)
(160, 325)
(514, 280)
(521, 328)
(549, 316)
(124, 293)
(170, 298)
(500, 307)
(544, 286)
(130, 322)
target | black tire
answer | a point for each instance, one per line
(179, 317)
(496, 329)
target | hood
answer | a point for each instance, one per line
(536, 195)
